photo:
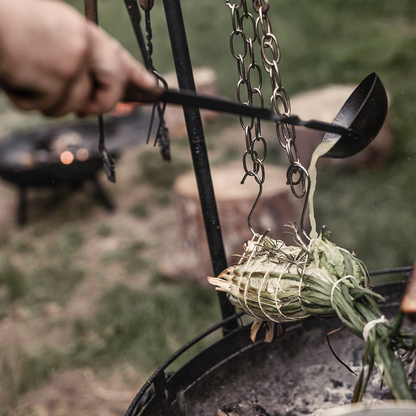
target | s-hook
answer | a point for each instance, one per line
(162, 132)
(91, 13)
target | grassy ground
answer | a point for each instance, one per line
(85, 312)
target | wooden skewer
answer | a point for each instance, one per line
(408, 305)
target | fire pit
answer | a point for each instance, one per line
(66, 155)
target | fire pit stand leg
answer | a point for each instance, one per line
(22, 205)
(199, 152)
(101, 195)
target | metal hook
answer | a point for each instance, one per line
(260, 183)
(162, 132)
(108, 160)
(160, 107)
(305, 204)
(91, 13)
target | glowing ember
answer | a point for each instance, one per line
(124, 109)
(67, 157)
(82, 154)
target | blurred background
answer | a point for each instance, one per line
(91, 301)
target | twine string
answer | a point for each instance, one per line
(246, 290)
(278, 289)
(303, 267)
(273, 266)
(337, 283)
(372, 324)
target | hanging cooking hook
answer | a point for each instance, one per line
(91, 13)
(162, 132)
(305, 177)
(260, 183)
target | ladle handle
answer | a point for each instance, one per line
(91, 12)
(408, 305)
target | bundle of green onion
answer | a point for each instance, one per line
(278, 283)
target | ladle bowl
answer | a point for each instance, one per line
(364, 112)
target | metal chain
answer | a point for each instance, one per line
(247, 30)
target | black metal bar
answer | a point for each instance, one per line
(162, 394)
(394, 270)
(199, 152)
(91, 12)
(189, 98)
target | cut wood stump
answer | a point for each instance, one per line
(205, 83)
(277, 207)
(323, 104)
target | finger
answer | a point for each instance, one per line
(51, 96)
(76, 95)
(108, 71)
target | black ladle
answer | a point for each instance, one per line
(358, 121)
(364, 112)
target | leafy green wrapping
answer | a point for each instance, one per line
(278, 283)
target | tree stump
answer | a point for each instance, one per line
(276, 208)
(205, 83)
(323, 104)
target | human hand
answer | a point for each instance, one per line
(54, 61)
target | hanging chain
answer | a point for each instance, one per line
(249, 30)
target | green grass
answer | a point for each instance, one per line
(131, 256)
(71, 238)
(54, 270)
(59, 273)
(158, 173)
(12, 285)
(103, 230)
(54, 282)
(144, 327)
(139, 210)
(21, 372)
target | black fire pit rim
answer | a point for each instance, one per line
(159, 378)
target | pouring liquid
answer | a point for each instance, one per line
(322, 149)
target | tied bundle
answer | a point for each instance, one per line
(277, 283)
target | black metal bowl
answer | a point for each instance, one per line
(44, 170)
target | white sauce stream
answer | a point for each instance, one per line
(323, 148)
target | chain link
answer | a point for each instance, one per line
(248, 30)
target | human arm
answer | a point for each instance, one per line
(54, 61)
